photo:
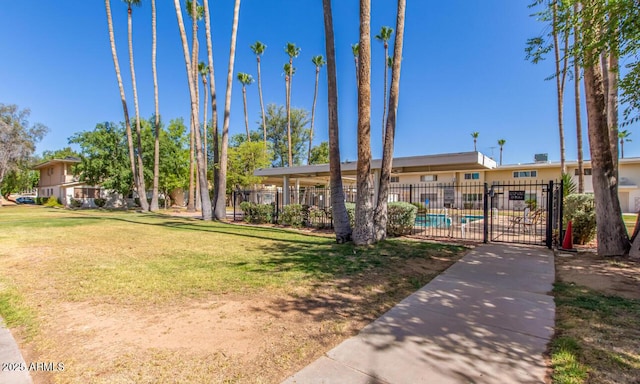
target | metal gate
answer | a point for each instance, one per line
(524, 213)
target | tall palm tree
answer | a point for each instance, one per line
(475, 140)
(203, 70)
(292, 51)
(125, 109)
(212, 93)
(355, 49)
(245, 79)
(142, 190)
(381, 212)
(384, 36)
(193, 82)
(156, 145)
(339, 212)
(289, 70)
(501, 143)
(363, 232)
(221, 183)
(195, 12)
(319, 62)
(576, 91)
(258, 49)
(623, 136)
(561, 75)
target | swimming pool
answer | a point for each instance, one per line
(444, 221)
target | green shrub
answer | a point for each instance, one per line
(74, 203)
(40, 200)
(422, 208)
(292, 215)
(351, 211)
(53, 201)
(318, 217)
(531, 203)
(580, 210)
(257, 213)
(100, 202)
(401, 218)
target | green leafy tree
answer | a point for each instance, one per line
(18, 139)
(104, 161)
(319, 154)
(355, 50)
(277, 135)
(244, 159)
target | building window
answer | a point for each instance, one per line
(471, 197)
(431, 197)
(394, 179)
(521, 174)
(472, 176)
(81, 193)
(425, 178)
(585, 171)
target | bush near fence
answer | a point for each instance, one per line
(257, 213)
(579, 208)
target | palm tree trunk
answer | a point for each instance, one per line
(264, 118)
(206, 202)
(340, 216)
(142, 190)
(381, 213)
(156, 145)
(212, 93)
(612, 106)
(194, 77)
(384, 100)
(246, 116)
(191, 206)
(125, 110)
(204, 124)
(500, 155)
(611, 232)
(560, 81)
(363, 232)
(288, 84)
(576, 71)
(313, 114)
(221, 184)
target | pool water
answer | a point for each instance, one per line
(441, 220)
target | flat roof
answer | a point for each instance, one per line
(69, 159)
(462, 161)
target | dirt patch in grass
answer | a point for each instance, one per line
(597, 320)
(612, 276)
(123, 297)
(247, 338)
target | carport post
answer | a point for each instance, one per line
(285, 189)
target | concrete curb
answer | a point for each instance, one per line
(13, 368)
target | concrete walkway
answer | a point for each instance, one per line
(486, 319)
(12, 366)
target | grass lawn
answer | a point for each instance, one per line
(122, 296)
(597, 320)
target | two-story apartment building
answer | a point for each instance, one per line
(57, 179)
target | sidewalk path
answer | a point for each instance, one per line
(486, 319)
(12, 365)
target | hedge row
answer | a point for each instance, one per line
(401, 216)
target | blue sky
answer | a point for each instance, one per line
(463, 70)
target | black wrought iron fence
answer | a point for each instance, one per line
(516, 212)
